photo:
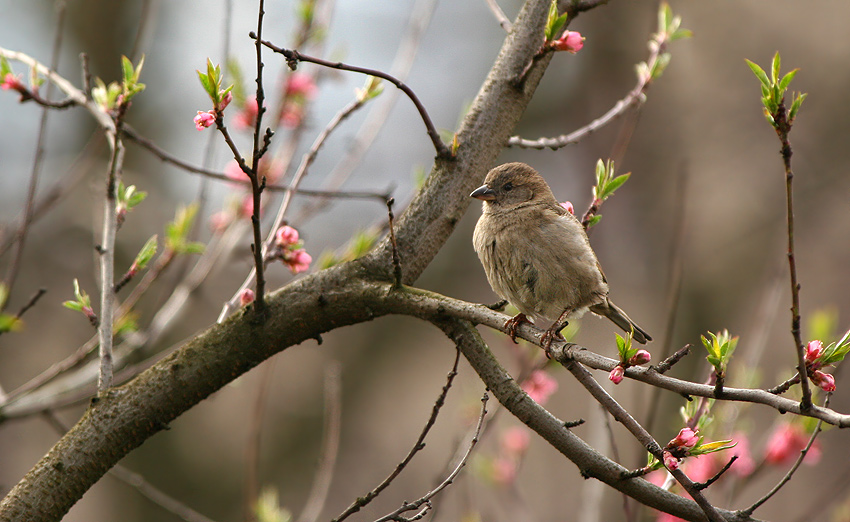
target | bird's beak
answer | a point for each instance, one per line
(484, 193)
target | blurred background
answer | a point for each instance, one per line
(706, 201)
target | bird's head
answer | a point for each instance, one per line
(513, 184)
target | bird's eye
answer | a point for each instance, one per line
(508, 187)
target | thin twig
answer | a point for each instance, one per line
(107, 261)
(783, 127)
(621, 415)
(135, 137)
(361, 502)
(293, 57)
(420, 17)
(303, 167)
(500, 15)
(35, 172)
(330, 445)
(749, 511)
(425, 500)
(635, 98)
(712, 480)
(668, 363)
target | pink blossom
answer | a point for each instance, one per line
(569, 207)
(298, 260)
(785, 444)
(247, 117)
(641, 357)
(300, 85)
(824, 381)
(570, 41)
(670, 461)
(616, 374)
(292, 115)
(12, 82)
(247, 207)
(504, 470)
(686, 438)
(515, 440)
(540, 386)
(285, 236)
(667, 517)
(813, 352)
(204, 120)
(233, 171)
(745, 465)
(246, 297)
(219, 221)
(225, 101)
(701, 468)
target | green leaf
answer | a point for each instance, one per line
(681, 34)
(5, 68)
(760, 74)
(146, 253)
(235, 74)
(614, 184)
(774, 74)
(194, 247)
(73, 305)
(593, 220)
(783, 83)
(795, 106)
(665, 15)
(712, 447)
(10, 323)
(127, 69)
(558, 26)
(206, 83)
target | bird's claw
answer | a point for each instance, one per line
(548, 337)
(513, 323)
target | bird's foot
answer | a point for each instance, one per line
(513, 323)
(554, 332)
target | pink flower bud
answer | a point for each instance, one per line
(204, 120)
(616, 374)
(225, 101)
(540, 386)
(246, 297)
(641, 357)
(570, 41)
(824, 381)
(286, 236)
(300, 84)
(569, 206)
(687, 438)
(785, 444)
(670, 461)
(247, 117)
(813, 351)
(515, 440)
(12, 82)
(298, 260)
(292, 115)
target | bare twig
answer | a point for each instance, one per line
(499, 14)
(635, 98)
(35, 172)
(358, 504)
(293, 57)
(668, 363)
(135, 137)
(303, 167)
(621, 415)
(425, 500)
(712, 480)
(783, 126)
(107, 262)
(749, 511)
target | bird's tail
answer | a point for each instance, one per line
(617, 316)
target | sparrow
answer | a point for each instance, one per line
(537, 255)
